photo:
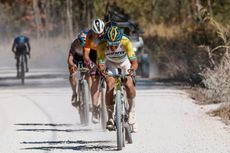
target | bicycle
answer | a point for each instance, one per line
(101, 110)
(122, 127)
(22, 67)
(83, 95)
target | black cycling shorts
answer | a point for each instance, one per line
(93, 55)
(20, 51)
(78, 59)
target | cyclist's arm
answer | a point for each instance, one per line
(71, 53)
(28, 46)
(70, 60)
(14, 47)
(86, 50)
(101, 55)
(131, 54)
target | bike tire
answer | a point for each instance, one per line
(128, 133)
(22, 70)
(85, 94)
(103, 115)
(120, 135)
(80, 108)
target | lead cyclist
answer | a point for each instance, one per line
(116, 51)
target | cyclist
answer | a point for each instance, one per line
(75, 57)
(20, 45)
(90, 56)
(114, 52)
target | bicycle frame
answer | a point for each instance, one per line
(83, 93)
(22, 66)
(121, 115)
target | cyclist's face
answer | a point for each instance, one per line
(113, 47)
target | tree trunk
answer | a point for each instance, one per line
(37, 17)
(69, 18)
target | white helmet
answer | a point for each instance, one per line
(98, 26)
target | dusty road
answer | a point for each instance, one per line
(38, 118)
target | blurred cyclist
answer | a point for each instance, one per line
(21, 44)
(115, 52)
(94, 35)
(75, 58)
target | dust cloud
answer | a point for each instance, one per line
(45, 53)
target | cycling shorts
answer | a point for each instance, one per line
(78, 60)
(112, 68)
(93, 55)
(19, 51)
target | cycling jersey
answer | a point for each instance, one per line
(92, 40)
(123, 52)
(20, 42)
(76, 48)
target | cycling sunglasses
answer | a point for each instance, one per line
(82, 39)
(113, 43)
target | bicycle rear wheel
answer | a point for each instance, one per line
(119, 129)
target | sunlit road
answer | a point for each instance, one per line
(38, 118)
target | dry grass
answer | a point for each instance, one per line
(223, 111)
(198, 96)
(162, 30)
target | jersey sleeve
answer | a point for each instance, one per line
(101, 52)
(129, 48)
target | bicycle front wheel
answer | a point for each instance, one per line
(120, 135)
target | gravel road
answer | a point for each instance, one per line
(38, 118)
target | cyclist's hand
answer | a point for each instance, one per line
(132, 72)
(103, 73)
(72, 68)
(90, 65)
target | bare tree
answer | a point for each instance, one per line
(69, 12)
(37, 17)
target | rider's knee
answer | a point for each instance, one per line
(129, 83)
(72, 76)
(110, 85)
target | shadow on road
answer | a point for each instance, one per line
(78, 145)
(41, 124)
(36, 80)
(79, 148)
(54, 130)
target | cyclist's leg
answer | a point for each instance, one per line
(131, 94)
(129, 85)
(17, 57)
(73, 80)
(26, 62)
(110, 84)
(94, 87)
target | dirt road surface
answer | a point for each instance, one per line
(38, 118)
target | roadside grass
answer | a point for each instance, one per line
(223, 111)
(180, 57)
